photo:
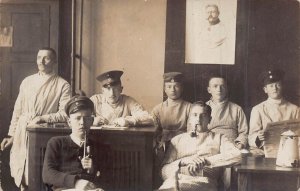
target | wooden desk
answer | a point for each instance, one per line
(259, 173)
(131, 154)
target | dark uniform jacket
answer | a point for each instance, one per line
(62, 164)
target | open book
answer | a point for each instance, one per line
(273, 133)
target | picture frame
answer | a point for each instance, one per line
(6, 36)
(210, 31)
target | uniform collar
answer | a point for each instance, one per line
(46, 75)
(114, 105)
(213, 103)
(77, 140)
(173, 102)
(275, 101)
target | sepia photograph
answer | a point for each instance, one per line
(210, 31)
(149, 95)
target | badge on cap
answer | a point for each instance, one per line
(271, 76)
(109, 80)
(110, 77)
(173, 77)
(77, 103)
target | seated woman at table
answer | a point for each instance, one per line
(191, 156)
(66, 165)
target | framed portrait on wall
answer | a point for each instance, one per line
(6, 34)
(210, 31)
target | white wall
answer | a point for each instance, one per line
(127, 35)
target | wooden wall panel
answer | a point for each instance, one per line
(274, 42)
(267, 36)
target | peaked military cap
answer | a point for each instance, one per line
(77, 103)
(271, 76)
(173, 77)
(110, 78)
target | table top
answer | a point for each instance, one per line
(263, 165)
(61, 127)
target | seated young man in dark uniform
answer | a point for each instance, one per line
(65, 165)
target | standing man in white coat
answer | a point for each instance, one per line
(42, 97)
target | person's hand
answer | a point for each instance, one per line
(261, 135)
(87, 163)
(193, 169)
(160, 144)
(239, 145)
(99, 120)
(121, 122)
(37, 120)
(186, 161)
(82, 184)
(197, 160)
(196, 164)
(6, 142)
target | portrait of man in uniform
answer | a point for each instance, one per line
(210, 32)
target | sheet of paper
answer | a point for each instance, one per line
(273, 134)
(73, 189)
(109, 127)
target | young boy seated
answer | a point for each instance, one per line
(65, 165)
